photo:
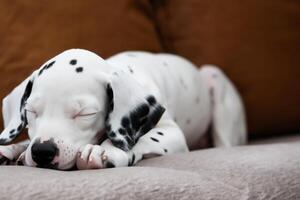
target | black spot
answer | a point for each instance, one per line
(130, 69)
(129, 131)
(110, 94)
(130, 141)
(12, 131)
(142, 110)
(3, 141)
(12, 136)
(26, 94)
(73, 62)
(110, 164)
(160, 133)
(79, 69)
(134, 118)
(132, 160)
(152, 120)
(165, 150)
(120, 144)
(20, 127)
(112, 134)
(151, 100)
(122, 131)
(50, 64)
(125, 122)
(47, 66)
(154, 139)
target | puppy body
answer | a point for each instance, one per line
(100, 113)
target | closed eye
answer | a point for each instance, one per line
(86, 114)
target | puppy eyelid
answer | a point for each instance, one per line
(87, 114)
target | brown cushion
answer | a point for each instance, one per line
(255, 42)
(34, 31)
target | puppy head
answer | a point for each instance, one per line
(73, 100)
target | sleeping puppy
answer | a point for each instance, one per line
(93, 113)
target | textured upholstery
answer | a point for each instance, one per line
(259, 172)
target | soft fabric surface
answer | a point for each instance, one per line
(249, 172)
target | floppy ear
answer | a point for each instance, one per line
(131, 110)
(13, 111)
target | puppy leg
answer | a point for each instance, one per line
(12, 152)
(228, 117)
(165, 138)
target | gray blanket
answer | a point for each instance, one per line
(251, 172)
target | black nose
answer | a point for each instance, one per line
(43, 153)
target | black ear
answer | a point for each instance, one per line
(13, 111)
(131, 111)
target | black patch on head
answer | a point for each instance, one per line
(160, 133)
(3, 141)
(73, 62)
(47, 66)
(151, 100)
(12, 131)
(165, 150)
(50, 64)
(79, 69)
(154, 139)
(110, 164)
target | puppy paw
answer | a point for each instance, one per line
(8, 153)
(91, 157)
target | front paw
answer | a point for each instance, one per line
(91, 157)
(8, 153)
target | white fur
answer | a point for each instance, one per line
(193, 99)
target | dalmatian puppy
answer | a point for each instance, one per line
(81, 110)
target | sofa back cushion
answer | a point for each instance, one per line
(256, 43)
(34, 31)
